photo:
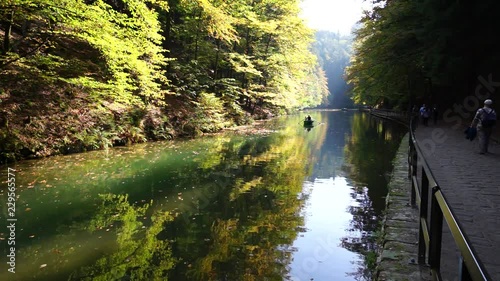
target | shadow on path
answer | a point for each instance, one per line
(470, 184)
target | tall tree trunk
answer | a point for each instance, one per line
(244, 82)
(262, 79)
(168, 18)
(216, 64)
(8, 30)
(196, 36)
(247, 35)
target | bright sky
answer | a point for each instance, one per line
(333, 15)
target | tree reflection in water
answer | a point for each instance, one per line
(368, 153)
(218, 208)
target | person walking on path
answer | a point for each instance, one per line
(435, 113)
(470, 183)
(484, 120)
(425, 114)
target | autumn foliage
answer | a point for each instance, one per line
(78, 75)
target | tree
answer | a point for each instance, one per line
(431, 51)
(126, 71)
(386, 55)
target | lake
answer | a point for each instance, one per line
(282, 202)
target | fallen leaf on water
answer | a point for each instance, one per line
(28, 209)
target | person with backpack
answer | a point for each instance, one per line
(425, 114)
(484, 121)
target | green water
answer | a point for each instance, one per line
(281, 203)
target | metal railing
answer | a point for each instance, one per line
(429, 195)
(401, 116)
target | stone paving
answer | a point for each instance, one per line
(470, 184)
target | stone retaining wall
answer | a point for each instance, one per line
(397, 258)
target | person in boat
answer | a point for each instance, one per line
(308, 118)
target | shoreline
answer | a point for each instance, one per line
(397, 256)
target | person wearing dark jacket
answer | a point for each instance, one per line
(435, 113)
(425, 114)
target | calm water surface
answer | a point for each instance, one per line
(283, 204)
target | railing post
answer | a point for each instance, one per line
(431, 222)
(463, 272)
(414, 169)
(410, 155)
(436, 233)
(424, 206)
(412, 173)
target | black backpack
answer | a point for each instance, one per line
(489, 119)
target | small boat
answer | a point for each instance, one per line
(308, 123)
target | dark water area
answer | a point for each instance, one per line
(282, 203)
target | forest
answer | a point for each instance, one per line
(435, 52)
(80, 75)
(334, 52)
